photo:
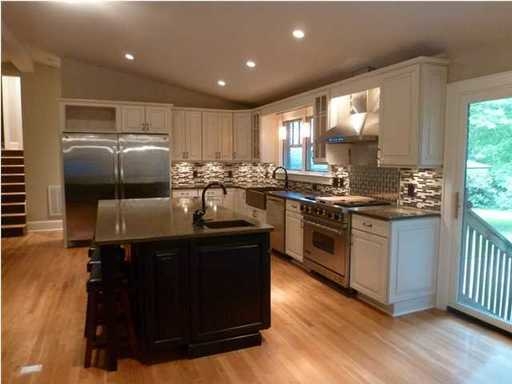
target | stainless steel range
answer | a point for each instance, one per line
(327, 235)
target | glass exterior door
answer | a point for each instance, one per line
(485, 263)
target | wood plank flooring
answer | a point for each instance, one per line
(317, 336)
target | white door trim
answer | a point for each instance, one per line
(459, 95)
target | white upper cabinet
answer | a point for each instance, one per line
(186, 135)
(256, 120)
(412, 116)
(242, 134)
(134, 118)
(268, 139)
(320, 119)
(194, 125)
(211, 136)
(217, 136)
(156, 119)
(142, 118)
(226, 135)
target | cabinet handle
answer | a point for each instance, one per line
(234, 155)
(367, 225)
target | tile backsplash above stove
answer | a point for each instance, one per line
(420, 188)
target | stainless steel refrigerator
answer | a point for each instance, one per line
(109, 166)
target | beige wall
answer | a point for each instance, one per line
(87, 81)
(482, 61)
(39, 93)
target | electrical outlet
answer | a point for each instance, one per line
(194, 174)
(411, 189)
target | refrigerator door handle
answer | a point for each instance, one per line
(116, 171)
(121, 171)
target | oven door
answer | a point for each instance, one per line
(326, 245)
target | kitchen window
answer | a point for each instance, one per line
(298, 153)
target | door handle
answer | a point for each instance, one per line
(121, 171)
(116, 172)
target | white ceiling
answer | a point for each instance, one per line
(195, 44)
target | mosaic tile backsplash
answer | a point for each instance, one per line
(420, 188)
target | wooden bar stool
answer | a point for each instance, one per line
(95, 312)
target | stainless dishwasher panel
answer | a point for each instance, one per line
(276, 218)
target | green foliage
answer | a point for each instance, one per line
(490, 142)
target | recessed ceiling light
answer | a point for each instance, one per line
(129, 56)
(250, 63)
(221, 83)
(298, 34)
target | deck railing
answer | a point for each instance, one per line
(486, 266)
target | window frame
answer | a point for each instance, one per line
(306, 143)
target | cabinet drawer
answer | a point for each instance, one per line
(292, 206)
(184, 193)
(370, 225)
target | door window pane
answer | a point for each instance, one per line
(489, 163)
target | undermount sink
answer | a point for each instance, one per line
(220, 224)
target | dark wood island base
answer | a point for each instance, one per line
(204, 295)
(194, 291)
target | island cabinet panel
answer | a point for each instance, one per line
(162, 278)
(229, 287)
(200, 296)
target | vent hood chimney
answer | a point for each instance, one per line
(357, 118)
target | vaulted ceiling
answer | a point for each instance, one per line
(196, 44)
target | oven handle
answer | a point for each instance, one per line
(324, 227)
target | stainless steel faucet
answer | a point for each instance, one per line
(197, 217)
(285, 175)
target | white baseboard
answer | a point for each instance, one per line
(44, 225)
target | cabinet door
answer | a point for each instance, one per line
(229, 286)
(256, 137)
(398, 138)
(133, 119)
(294, 236)
(157, 119)
(320, 118)
(242, 132)
(193, 123)
(369, 265)
(413, 258)
(162, 294)
(226, 136)
(211, 136)
(179, 135)
(269, 139)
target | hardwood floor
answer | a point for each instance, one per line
(317, 336)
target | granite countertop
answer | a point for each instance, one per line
(134, 220)
(394, 213)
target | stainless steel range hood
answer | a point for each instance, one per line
(356, 120)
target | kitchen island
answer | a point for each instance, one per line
(197, 289)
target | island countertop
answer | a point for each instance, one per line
(138, 220)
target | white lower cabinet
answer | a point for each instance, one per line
(394, 264)
(294, 230)
(293, 238)
(369, 265)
